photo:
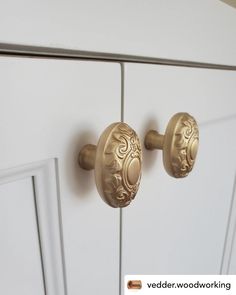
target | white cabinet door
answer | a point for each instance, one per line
(182, 226)
(49, 110)
(200, 30)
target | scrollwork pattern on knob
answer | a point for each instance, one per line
(116, 160)
(122, 165)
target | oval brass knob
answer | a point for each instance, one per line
(117, 163)
(179, 144)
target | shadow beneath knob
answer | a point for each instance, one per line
(80, 181)
(149, 157)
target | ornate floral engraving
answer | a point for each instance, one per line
(122, 166)
(185, 146)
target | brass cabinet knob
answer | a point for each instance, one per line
(179, 144)
(117, 163)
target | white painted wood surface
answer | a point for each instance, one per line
(203, 30)
(178, 226)
(20, 267)
(41, 217)
(49, 110)
(229, 257)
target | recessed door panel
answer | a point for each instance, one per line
(21, 265)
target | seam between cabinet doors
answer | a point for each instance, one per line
(122, 73)
(61, 53)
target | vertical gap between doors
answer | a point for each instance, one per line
(122, 68)
(121, 212)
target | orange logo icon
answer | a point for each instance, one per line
(134, 284)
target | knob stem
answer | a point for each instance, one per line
(87, 156)
(154, 140)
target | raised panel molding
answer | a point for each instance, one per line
(48, 215)
(228, 265)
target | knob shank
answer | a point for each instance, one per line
(87, 157)
(154, 140)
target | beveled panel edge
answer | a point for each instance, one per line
(230, 235)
